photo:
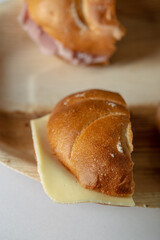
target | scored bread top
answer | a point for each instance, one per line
(88, 26)
(90, 133)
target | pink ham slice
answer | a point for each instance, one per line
(50, 46)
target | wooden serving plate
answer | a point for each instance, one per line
(16, 150)
(31, 84)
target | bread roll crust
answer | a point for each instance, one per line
(88, 26)
(90, 133)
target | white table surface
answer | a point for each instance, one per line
(27, 213)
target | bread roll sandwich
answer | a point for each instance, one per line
(83, 149)
(82, 32)
(90, 133)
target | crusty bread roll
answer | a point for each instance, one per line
(83, 31)
(90, 133)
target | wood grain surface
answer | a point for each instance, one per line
(16, 150)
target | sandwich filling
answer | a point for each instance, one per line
(50, 46)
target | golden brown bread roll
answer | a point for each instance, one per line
(83, 31)
(90, 133)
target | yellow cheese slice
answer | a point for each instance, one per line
(59, 184)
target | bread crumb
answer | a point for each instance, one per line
(119, 147)
(79, 94)
(111, 104)
(66, 102)
(112, 155)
